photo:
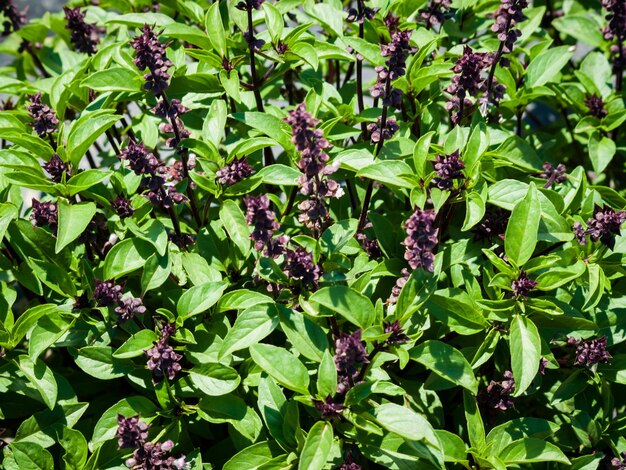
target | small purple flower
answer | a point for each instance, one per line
(132, 432)
(84, 36)
(163, 361)
(580, 233)
(616, 29)
(421, 239)
(168, 128)
(156, 457)
(448, 168)
(543, 363)
(523, 285)
(377, 134)
(129, 307)
(249, 5)
(590, 351)
(106, 293)
(398, 50)
(56, 167)
(45, 214)
(553, 175)
(44, 120)
(13, 18)
(435, 12)
(603, 226)
(151, 55)
(141, 160)
(468, 81)
(396, 333)
(170, 110)
(370, 245)
(595, 105)
(349, 351)
(329, 408)
(493, 225)
(122, 207)
(234, 171)
(397, 288)
(301, 267)
(262, 218)
(619, 464)
(506, 18)
(497, 395)
(314, 214)
(349, 464)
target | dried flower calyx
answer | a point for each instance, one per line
(421, 239)
(84, 36)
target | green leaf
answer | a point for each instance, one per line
(354, 307)
(305, 335)
(215, 29)
(337, 235)
(274, 21)
(327, 376)
(126, 257)
(521, 231)
(155, 272)
(31, 456)
(525, 345)
(114, 79)
(474, 210)
(73, 220)
(253, 457)
(280, 175)
(317, 447)
(28, 319)
(8, 212)
(580, 27)
(137, 20)
(41, 377)
(86, 130)
(200, 298)
(136, 344)
(76, 449)
(283, 366)
(106, 426)
(242, 299)
(215, 379)
(152, 231)
(544, 68)
(251, 326)
(475, 426)
(273, 406)
(389, 172)
(601, 151)
(44, 427)
(447, 362)
(269, 125)
(85, 180)
(235, 224)
(530, 450)
(98, 361)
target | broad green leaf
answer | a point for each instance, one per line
(98, 361)
(137, 20)
(544, 68)
(525, 345)
(474, 210)
(73, 220)
(280, 175)
(41, 377)
(354, 307)
(235, 224)
(447, 362)
(8, 212)
(317, 447)
(251, 326)
(76, 449)
(114, 79)
(475, 426)
(44, 427)
(28, 319)
(391, 172)
(215, 379)
(283, 366)
(254, 457)
(126, 257)
(306, 336)
(601, 151)
(200, 298)
(215, 29)
(521, 231)
(86, 130)
(530, 449)
(31, 456)
(136, 344)
(327, 376)
(85, 180)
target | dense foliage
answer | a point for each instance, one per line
(359, 234)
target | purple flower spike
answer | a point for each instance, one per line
(523, 285)
(435, 12)
(506, 18)
(84, 36)
(603, 226)
(301, 267)
(132, 432)
(106, 293)
(151, 55)
(122, 207)
(234, 171)
(163, 361)
(553, 175)
(595, 104)
(497, 395)
(45, 121)
(448, 168)
(45, 214)
(421, 239)
(156, 457)
(130, 307)
(590, 352)
(56, 167)
(13, 18)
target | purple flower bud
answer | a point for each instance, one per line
(435, 12)
(595, 104)
(493, 225)
(448, 168)
(349, 351)
(349, 464)
(378, 134)
(300, 266)
(132, 432)
(56, 167)
(398, 51)
(590, 351)
(328, 408)
(468, 81)
(522, 285)
(45, 121)
(497, 395)
(13, 18)
(84, 36)
(259, 215)
(616, 29)
(106, 293)
(122, 207)
(370, 245)
(619, 464)
(397, 288)
(155, 457)
(170, 110)
(603, 226)
(140, 159)
(45, 214)
(249, 5)
(234, 171)
(552, 174)
(506, 18)
(314, 214)
(151, 55)
(356, 16)
(396, 334)
(543, 363)
(421, 239)
(129, 307)
(163, 361)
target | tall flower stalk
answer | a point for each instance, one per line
(616, 30)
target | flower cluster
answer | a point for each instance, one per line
(378, 133)
(397, 288)
(329, 408)
(603, 226)
(493, 225)
(151, 55)
(263, 221)
(396, 333)
(468, 81)
(595, 105)
(506, 18)
(56, 167)
(523, 285)
(249, 5)
(45, 214)
(349, 464)
(301, 267)
(171, 111)
(619, 464)
(448, 168)
(421, 239)
(349, 351)
(163, 361)
(361, 13)
(106, 293)
(13, 18)
(590, 351)
(553, 175)
(616, 30)
(44, 120)
(311, 144)
(132, 433)
(435, 12)
(129, 307)
(497, 395)
(84, 36)
(397, 51)
(122, 207)
(146, 164)
(234, 171)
